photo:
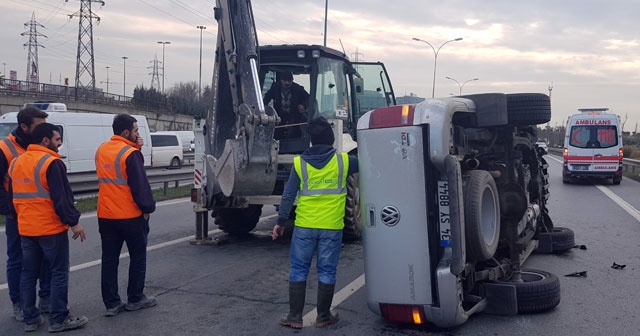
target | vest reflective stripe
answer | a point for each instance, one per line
(119, 180)
(11, 150)
(322, 195)
(305, 180)
(11, 146)
(42, 192)
(31, 198)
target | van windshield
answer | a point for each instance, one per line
(6, 128)
(594, 136)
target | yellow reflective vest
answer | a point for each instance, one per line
(323, 193)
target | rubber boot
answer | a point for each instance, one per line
(297, 292)
(325, 296)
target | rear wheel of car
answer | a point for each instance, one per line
(538, 291)
(482, 215)
(238, 221)
(352, 225)
(528, 108)
(616, 180)
(175, 163)
(562, 239)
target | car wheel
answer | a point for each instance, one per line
(538, 291)
(616, 180)
(482, 215)
(562, 239)
(238, 221)
(528, 108)
(352, 225)
(175, 163)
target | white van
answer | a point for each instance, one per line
(593, 146)
(166, 150)
(82, 134)
(186, 137)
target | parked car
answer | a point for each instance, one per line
(166, 150)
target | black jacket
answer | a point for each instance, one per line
(298, 97)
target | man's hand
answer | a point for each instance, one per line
(145, 216)
(139, 143)
(277, 232)
(78, 231)
(301, 108)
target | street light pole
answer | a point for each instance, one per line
(461, 86)
(163, 66)
(4, 69)
(326, 11)
(200, 71)
(435, 59)
(107, 78)
(124, 74)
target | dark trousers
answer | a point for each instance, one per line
(54, 249)
(14, 264)
(113, 234)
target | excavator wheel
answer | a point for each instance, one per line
(352, 225)
(238, 221)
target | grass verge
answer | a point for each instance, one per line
(91, 204)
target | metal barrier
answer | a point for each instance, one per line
(88, 182)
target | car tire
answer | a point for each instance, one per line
(238, 221)
(352, 224)
(528, 108)
(482, 215)
(538, 291)
(562, 239)
(175, 163)
(616, 180)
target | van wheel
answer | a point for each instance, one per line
(482, 215)
(528, 108)
(538, 291)
(238, 221)
(352, 225)
(616, 180)
(562, 239)
(175, 163)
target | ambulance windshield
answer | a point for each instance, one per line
(594, 136)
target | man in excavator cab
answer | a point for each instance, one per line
(290, 101)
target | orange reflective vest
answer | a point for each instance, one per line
(114, 195)
(28, 173)
(11, 150)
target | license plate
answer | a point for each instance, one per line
(580, 167)
(445, 215)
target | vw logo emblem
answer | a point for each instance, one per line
(390, 215)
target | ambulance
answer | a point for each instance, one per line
(593, 146)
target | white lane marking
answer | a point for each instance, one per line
(622, 203)
(310, 318)
(149, 248)
(615, 198)
(93, 214)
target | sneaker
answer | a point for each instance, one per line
(28, 327)
(69, 323)
(115, 310)
(17, 312)
(43, 306)
(146, 302)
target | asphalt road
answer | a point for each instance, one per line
(240, 288)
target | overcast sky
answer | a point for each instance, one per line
(586, 50)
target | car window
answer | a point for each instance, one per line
(594, 136)
(164, 140)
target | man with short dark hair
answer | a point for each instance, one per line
(45, 210)
(124, 204)
(10, 148)
(319, 179)
(290, 100)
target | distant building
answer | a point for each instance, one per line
(412, 98)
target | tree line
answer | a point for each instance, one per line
(181, 99)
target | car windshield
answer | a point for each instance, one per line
(6, 128)
(594, 136)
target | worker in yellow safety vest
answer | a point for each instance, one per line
(319, 180)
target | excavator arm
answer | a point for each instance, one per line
(241, 153)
